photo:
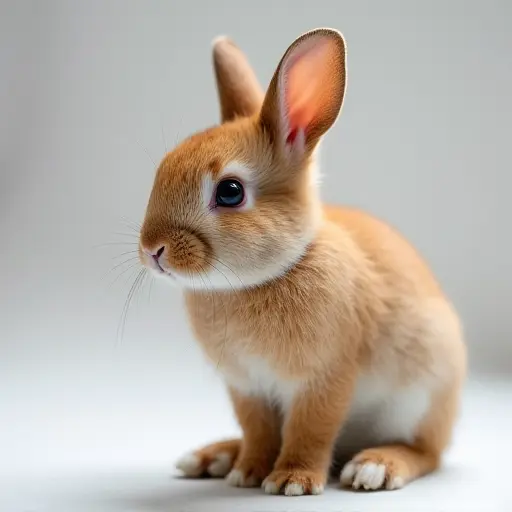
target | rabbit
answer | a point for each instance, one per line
(338, 347)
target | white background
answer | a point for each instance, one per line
(91, 95)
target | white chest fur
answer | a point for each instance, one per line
(255, 376)
(380, 412)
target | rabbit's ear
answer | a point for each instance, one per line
(240, 94)
(306, 93)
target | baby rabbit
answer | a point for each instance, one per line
(335, 341)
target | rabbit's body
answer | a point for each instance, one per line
(362, 293)
(332, 335)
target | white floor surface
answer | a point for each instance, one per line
(477, 476)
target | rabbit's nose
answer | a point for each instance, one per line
(157, 254)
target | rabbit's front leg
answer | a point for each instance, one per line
(261, 424)
(309, 433)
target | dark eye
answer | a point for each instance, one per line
(229, 193)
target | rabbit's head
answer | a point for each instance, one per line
(238, 204)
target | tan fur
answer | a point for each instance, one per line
(229, 448)
(238, 88)
(261, 423)
(357, 305)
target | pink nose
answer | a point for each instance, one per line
(158, 253)
(155, 255)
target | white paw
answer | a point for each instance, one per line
(221, 465)
(317, 489)
(190, 465)
(294, 490)
(396, 483)
(270, 487)
(369, 476)
(298, 490)
(236, 478)
(291, 489)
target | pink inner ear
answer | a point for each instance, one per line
(307, 78)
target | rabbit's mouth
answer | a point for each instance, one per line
(163, 271)
(159, 267)
(154, 263)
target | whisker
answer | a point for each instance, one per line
(120, 264)
(133, 289)
(132, 222)
(150, 288)
(108, 244)
(147, 152)
(224, 342)
(132, 235)
(132, 266)
(195, 294)
(229, 268)
(134, 251)
(214, 309)
(135, 229)
(211, 295)
(233, 289)
(142, 284)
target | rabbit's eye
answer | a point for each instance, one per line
(229, 193)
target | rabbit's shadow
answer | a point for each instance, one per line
(183, 495)
(150, 493)
(142, 493)
(191, 495)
